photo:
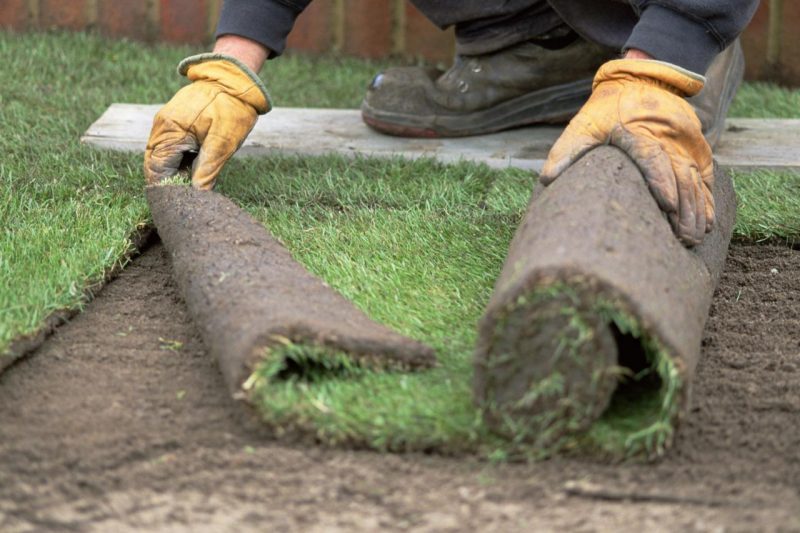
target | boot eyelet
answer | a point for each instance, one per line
(463, 86)
(476, 67)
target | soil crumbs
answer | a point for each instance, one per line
(121, 422)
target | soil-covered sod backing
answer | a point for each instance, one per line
(122, 422)
(597, 294)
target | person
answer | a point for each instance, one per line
(640, 63)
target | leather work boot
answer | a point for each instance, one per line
(722, 80)
(521, 85)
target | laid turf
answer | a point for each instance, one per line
(415, 244)
(68, 211)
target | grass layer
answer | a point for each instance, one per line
(68, 211)
(313, 390)
(417, 245)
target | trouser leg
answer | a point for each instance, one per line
(485, 26)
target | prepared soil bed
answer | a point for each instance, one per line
(122, 422)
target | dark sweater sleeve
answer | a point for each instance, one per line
(265, 21)
(689, 33)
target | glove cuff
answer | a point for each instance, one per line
(665, 75)
(241, 81)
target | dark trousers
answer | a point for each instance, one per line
(484, 26)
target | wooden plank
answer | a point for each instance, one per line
(746, 143)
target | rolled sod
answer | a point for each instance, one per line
(599, 309)
(259, 309)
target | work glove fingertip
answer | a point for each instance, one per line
(565, 152)
(205, 173)
(162, 161)
(155, 170)
(214, 153)
(709, 177)
(701, 211)
(655, 165)
(685, 233)
(552, 169)
(711, 221)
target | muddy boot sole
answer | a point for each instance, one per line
(547, 106)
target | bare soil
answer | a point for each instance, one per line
(121, 422)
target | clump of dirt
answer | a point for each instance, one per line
(122, 422)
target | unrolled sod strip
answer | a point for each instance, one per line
(253, 302)
(596, 288)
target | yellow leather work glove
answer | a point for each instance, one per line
(639, 106)
(214, 114)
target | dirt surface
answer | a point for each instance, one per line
(121, 422)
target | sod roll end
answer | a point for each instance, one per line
(598, 303)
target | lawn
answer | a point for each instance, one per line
(417, 245)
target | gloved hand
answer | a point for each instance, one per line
(214, 114)
(638, 106)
